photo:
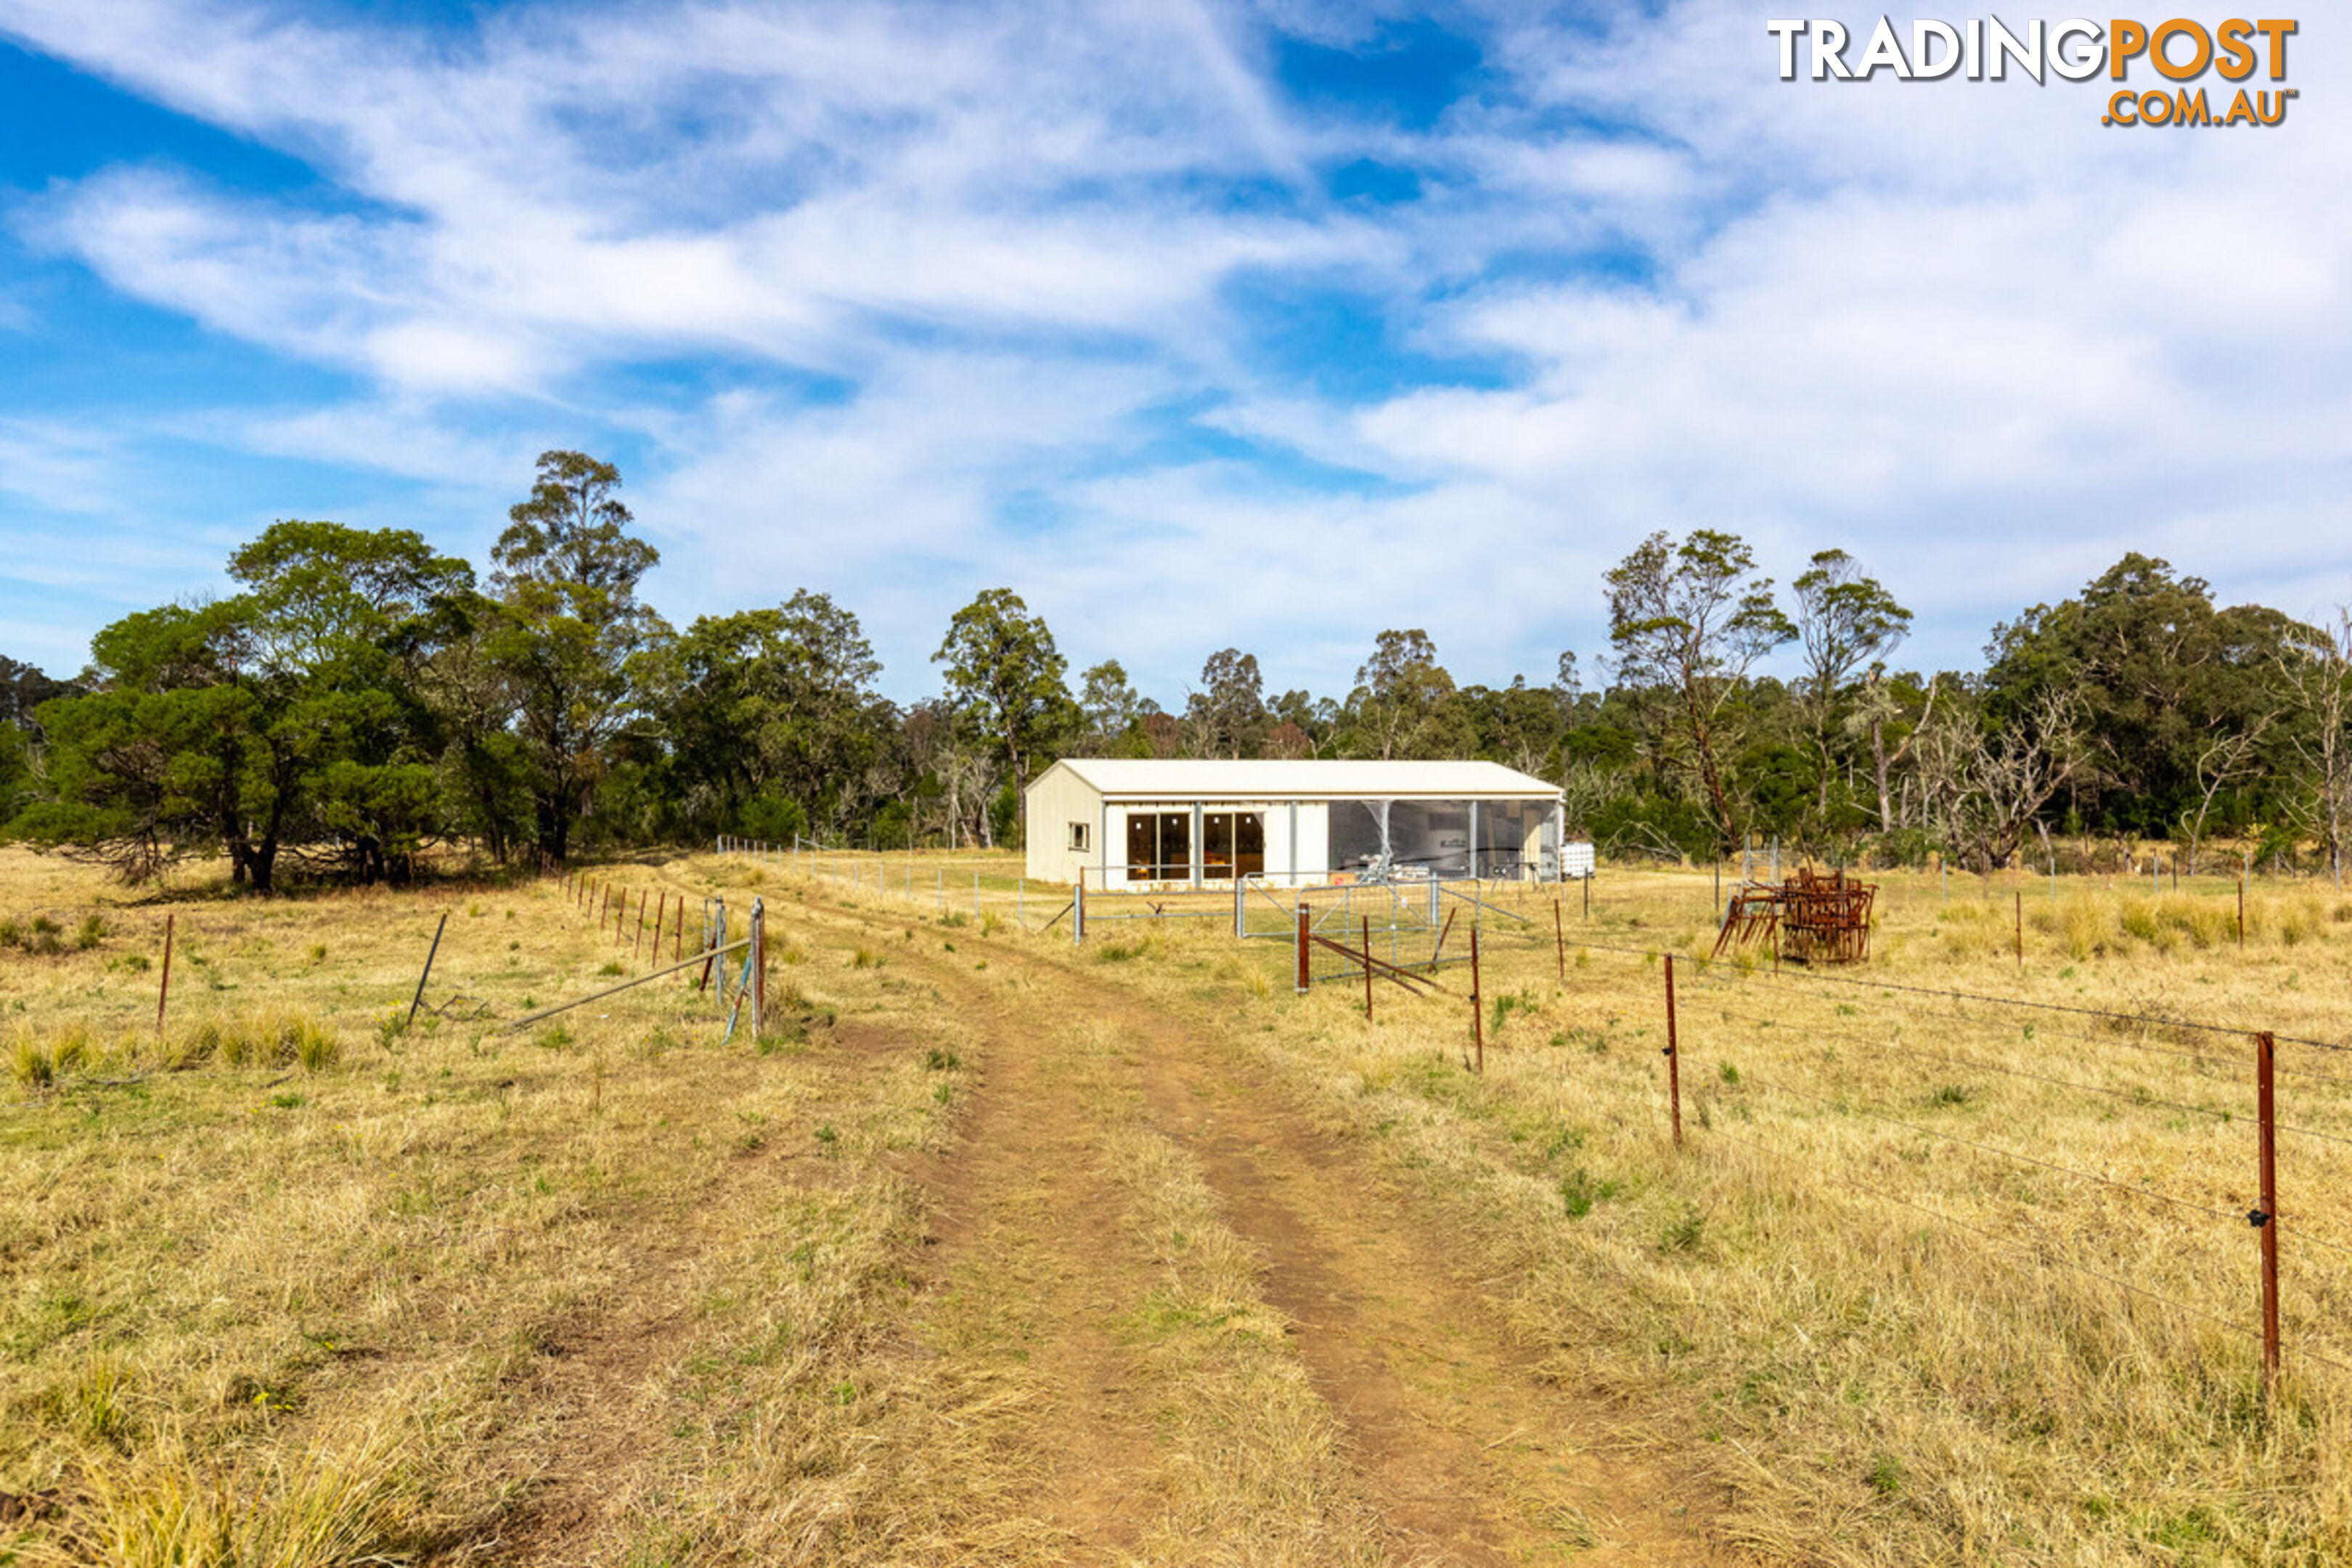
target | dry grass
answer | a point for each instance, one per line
(292, 1285)
(242, 1264)
(1802, 1297)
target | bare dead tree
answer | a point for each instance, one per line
(1988, 789)
(1873, 709)
(2222, 761)
(2318, 672)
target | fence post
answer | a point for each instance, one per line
(1478, 1014)
(164, 994)
(429, 956)
(1560, 938)
(2242, 914)
(714, 937)
(1079, 912)
(1673, 1057)
(1367, 969)
(1304, 941)
(759, 969)
(1240, 884)
(2020, 928)
(637, 948)
(2265, 1216)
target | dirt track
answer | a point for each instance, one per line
(1449, 1448)
(1459, 1449)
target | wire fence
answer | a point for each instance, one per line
(1799, 1049)
(1814, 1047)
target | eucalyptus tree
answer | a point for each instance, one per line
(571, 632)
(1689, 621)
(1848, 623)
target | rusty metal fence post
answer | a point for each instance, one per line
(1368, 968)
(1477, 1004)
(2266, 1215)
(164, 994)
(1305, 941)
(1673, 1057)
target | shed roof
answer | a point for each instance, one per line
(1193, 778)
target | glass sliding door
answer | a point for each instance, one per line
(1159, 846)
(1233, 843)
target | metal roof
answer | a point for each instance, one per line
(1193, 778)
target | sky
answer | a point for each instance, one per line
(1198, 325)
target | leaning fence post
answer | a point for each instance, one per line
(1673, 1057)
(1477, 1017)
(714, 937)
(1305, 941)
(164, 994)
(421, 979)
(2265, 1216)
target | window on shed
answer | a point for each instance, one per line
(1081, 839)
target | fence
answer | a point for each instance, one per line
(1868, 1033)
(1408, 944)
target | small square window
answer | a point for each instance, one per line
(1080, 839)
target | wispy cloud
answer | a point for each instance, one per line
(903, 299)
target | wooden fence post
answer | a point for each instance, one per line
(430, 954)
(759, 969)
(1367, 969)
(1560, 938)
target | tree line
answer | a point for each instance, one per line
(361, 698)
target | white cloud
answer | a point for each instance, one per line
(1957, 328)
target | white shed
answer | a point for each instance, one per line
(1149, 822)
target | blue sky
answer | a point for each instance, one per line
(1268, 325)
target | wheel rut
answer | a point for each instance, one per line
(1470, 1457)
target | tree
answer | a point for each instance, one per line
(283, 717)
(1109, 707)
(773, 703)
(2317, 670)
(2163, 673)
(1229, 708)
(1404, 704)
(1004, 679)
(571, 632)
(1848, 622)
(1988, 781)
(1690, 620)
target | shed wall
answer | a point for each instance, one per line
(1058, 801)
